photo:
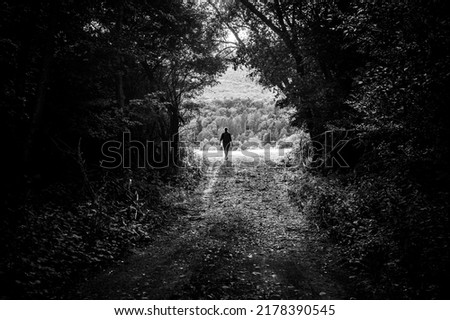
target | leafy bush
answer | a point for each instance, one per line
(59, 238)
(236, 145)
(281, 144)
(248, 145)
(251, 143)
(392, 236)
(214, 142)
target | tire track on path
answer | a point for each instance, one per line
(240, 239)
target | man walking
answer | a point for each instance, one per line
(225, 139)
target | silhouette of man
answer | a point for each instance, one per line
(225, 139)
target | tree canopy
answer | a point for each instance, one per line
(350, 64)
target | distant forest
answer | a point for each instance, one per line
(251, 123)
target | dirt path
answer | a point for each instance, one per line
(241, 239)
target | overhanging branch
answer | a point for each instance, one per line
(233, 31)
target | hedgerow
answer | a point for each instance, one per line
(391, 233)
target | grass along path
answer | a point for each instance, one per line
(240, 238)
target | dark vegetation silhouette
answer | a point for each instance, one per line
(375, 73)
(76, 74)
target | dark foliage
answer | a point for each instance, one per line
(380, 70)
(393, 237)
(77, 74)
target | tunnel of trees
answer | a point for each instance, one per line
(77, 74)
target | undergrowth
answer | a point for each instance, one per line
(61, 230)
(392, 234)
